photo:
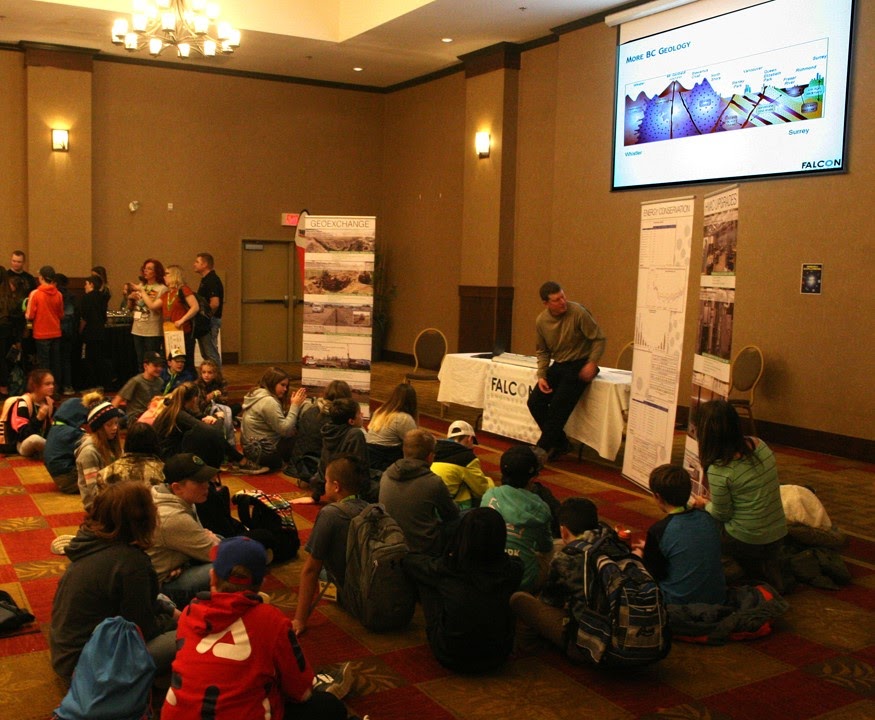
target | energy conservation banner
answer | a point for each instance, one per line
(712, 362)
(338, 273)
(663, 272)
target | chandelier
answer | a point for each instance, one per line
(158, 24)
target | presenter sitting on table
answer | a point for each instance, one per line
(570, 337)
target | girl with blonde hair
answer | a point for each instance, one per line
(99, 447)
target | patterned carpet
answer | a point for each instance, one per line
(818, 664)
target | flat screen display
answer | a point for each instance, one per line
(756, 92)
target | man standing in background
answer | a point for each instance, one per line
(211, 290)
(570, 337)
(16, 267)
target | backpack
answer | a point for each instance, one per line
(8, 437)
(113, 676)
(623, 622)
(375, 588)
(200, 323)
(12, 617)
(260, 511)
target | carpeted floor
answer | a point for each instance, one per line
(818, 664)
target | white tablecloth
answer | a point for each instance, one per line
(502, 391)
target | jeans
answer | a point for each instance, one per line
(552, 410)
(162, 648)
(209, 343)
(48, 356)
(142, 343)
(194, 579)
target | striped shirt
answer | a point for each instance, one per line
(746, 497)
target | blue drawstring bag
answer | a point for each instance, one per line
(113, 677)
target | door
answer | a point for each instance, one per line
(267, 309)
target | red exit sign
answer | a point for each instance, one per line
(289, 219)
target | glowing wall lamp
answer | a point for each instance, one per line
(61, 140)
(482, 141)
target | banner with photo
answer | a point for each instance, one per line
(336, 259)
(660, 310)
(712, 362)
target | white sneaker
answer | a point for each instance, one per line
(337, 683)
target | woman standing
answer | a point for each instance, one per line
(148, 299)
(31, 417)
(267, 430)
(745, 494)
(99, 447)
(110, 574)
(180, 306)
(388, 425)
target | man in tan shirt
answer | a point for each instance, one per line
(570, 337)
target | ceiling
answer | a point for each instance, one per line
(393, 41)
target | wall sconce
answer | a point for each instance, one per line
(482, 141)
(61, 140)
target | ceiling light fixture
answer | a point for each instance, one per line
(158, 24)
(446, 40)
(358, 69)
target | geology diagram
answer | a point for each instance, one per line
(680, 112)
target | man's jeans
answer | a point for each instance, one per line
(209, 343)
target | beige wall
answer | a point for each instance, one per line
(13, 155)
(232, 154)
(420, 226)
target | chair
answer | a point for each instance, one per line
(624, 359)
(429, 349)
(746, 371)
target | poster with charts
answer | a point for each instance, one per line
(337, 277)
(663, 273)
(712, 362)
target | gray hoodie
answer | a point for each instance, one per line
(263, 418)
(419, 502)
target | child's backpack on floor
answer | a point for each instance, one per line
(113, 676)
(624, 622)
(260, 511)
(12, 617)
(375, 588)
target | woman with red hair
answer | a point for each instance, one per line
(148, 299)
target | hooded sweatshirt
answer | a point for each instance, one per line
(235, 655)
(104, 579)
(460, 470)
(64, 436)
(180, 537)
(263, 419)
(46, 308)
(420, 503)
(468, 618)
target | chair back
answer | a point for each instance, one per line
(429, 349)
(747, 369)
(624, 359)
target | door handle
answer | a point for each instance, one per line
(267, 301)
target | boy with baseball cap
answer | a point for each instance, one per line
(527, 517)
(457, 465)
(239, 657)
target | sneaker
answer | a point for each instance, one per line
(338, 683)
(247, 467)
(59, 544)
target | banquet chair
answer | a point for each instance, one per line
(746, 371)
(624, 359)
(429, 349)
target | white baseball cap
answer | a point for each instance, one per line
(460, 428)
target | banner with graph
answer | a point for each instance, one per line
(712, 362)
(663, 273)
(337, 276)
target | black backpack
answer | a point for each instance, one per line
(200, 323)
(262, 512)
(624, 622)
(12, 617)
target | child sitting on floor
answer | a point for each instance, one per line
(238, 657)
(682, 551)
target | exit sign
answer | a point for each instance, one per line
(289, 219)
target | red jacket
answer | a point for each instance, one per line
(46, 308)
(235, 654)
